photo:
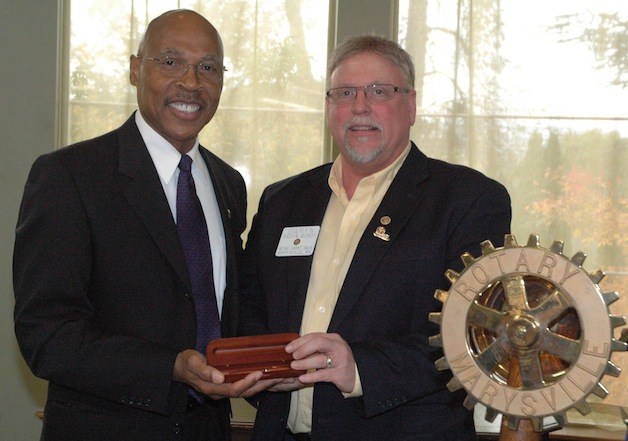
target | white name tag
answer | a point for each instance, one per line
(297, 241)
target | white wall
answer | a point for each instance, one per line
(28, 31)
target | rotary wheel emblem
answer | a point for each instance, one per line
(526, 331)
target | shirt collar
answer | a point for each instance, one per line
(165, 157)
(378, 180)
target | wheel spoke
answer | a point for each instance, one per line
(531, 372)
(515, 290)
(564, 348)
(492, 355)
(484, 317)
(551, 308)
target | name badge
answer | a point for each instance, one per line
(297, 241)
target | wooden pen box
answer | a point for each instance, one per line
(236, 357)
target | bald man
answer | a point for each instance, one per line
(105, 295)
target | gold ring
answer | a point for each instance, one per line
(329, 363)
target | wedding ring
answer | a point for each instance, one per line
(329, 363)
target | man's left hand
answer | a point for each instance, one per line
(329, 354)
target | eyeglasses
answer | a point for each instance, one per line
(208, 70)
(375, 93)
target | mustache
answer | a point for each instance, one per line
(185, 96)
(362, 121)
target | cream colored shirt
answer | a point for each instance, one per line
(343, 225)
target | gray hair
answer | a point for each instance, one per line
(383, 47)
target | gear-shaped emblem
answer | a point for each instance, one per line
(526, 331)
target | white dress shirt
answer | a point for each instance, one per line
(166, 159)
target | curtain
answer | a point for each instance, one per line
(270, 122)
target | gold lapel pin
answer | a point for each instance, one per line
(380, 233)
(385, 220)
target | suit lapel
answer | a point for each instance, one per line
(219, 182)
(145, 195)
(400, 203)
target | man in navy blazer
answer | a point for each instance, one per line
(103, 305)
(350, 255)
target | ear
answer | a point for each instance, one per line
(411, 103)
(134, 69)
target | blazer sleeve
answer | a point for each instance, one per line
(59, 332)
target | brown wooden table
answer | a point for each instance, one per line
(587, 433)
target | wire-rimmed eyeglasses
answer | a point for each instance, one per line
(209, 70)
(374, 93)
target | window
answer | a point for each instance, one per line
(270, 122)
(534, 94)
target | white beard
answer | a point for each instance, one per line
(363, 157)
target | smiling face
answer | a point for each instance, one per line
(177, 106)
(370, 135)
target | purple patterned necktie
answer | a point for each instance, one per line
(195, 240)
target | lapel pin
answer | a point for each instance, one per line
(385, 220)
(229, 213)
(380, 233)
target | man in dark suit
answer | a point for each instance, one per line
(350, 255)
(105, 299)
